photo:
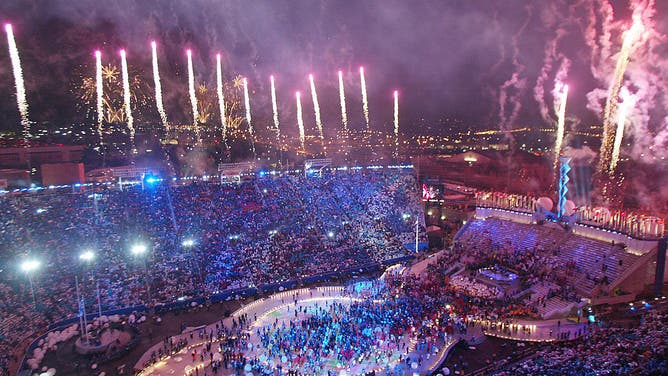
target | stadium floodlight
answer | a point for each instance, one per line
(87, 256)
(138, 249)
(188, 243)
(29, 266)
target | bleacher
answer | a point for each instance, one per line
(596, 260)
(581, 262)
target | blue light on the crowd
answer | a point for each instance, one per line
(151, 179)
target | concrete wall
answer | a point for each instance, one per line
(62, 173)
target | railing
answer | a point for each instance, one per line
(449, 344)
(635, 225)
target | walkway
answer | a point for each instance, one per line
(534, 331)
(280, 308)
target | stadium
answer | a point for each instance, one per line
(331, 187)
(316, 270)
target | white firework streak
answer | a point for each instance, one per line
(221, 98)
(539, 90)
(561, 116)
(191, 91)
(20, 86)
(316, 107)
(649, 75)
(300, 119)
(365, 102)
(631, 38)
(342, 99)
(158, 88)
(126, 98)
(622, 110)
(248, 115)
(100, 93)
(274, 107)
(563, 25)
(396, 123)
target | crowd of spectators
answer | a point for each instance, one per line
(473, 287)
(204, 238)
(541, 256)
(267, 230)
(605, 351)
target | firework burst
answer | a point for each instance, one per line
(396, 123)
(561, 115)
(221, 98)
(316, 107)
(20, 85)
(193, 95)
(627, 101)
(631, 38)
(274, 108)
(158, 88)
(365, 101)
(248, 114)
(342, 99)
(99, 93)
(126, 99)
(300, 119)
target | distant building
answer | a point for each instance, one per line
(518, 172)
(14, 177)
(62, 173)
(36, 156)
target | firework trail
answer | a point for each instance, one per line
(191, 91)
(562, 72)
(342, 99)
(158, 88)
(221, 98)
(630, 38)
(515, 82)
(365, 102)
(396, 123)
(20, 86)
(248, 115)
(126, 99)
(561, 114)
(622, 110)
(99, 93)
(563, 25)
(274, 108)
(316, 107)
(300, 119)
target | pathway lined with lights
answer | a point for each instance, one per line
(280, 308)
(535, 331)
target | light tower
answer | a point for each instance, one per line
(564, 169)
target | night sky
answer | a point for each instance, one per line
(449, 59)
